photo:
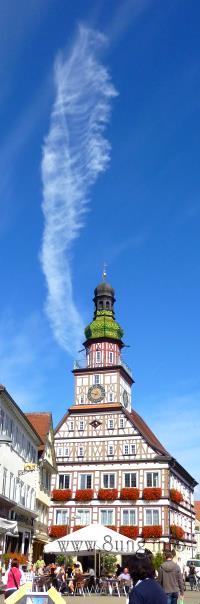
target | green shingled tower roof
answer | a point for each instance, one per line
(104, 324)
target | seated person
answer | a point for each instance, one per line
(125, 575)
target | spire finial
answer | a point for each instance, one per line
(104, 274)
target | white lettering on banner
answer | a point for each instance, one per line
(108, 545)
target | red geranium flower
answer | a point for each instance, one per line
(152, 493)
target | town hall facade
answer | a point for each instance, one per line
(112, 469)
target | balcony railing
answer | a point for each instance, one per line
(120, 361)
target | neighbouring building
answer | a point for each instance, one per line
(19, 444)
(197, 526)
(42, 424)
(112, 469)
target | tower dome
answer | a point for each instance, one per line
(104, 324)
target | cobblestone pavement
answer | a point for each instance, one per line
(190, 597)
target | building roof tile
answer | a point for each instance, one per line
(197, 509)
(41, 423)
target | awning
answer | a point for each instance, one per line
(8, 526)
(92, 538)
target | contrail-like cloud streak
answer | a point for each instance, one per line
(75, 152)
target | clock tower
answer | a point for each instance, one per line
(104, 379)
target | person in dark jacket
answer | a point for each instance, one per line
(146, 590)
(171, 579)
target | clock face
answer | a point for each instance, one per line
(96, 393)
(125, 398)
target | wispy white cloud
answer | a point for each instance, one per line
(126, 13)
(75, 153)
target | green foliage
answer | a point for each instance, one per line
(157, 560)
(6, 559)
(67, 560)
(60, 559)
(109, 562)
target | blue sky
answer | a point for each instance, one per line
(125, 146)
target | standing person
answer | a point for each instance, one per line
(14, 578)
(192, 576)
(146, 589)
(119, 570)
(171, 579)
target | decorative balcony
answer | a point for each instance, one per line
(84, 494)
(58, 530)
(129, 494)
(152, 493)
(177, 532)
(61, 494)
(107, 494)
(152, 532)
(120, 361)
(176, 496)
(129, 531)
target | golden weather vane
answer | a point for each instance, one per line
(104, 274)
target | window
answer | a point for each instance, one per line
(98, 356)
(4, 481)
(109, 481)
(82, 400)
(110, 357)
(71, 426)
(96, 379)
(107, 304)
(121, 422)
(62, 517)
(66, 452)
(85, 481)
(130, 480)
(83, 517)
(110, 450)
(81, 425)
(2, 415)
(111, 397)
(60, 451)
(110, 424)
(80, 452)
(129, 517)
(129, 449)
(11, 486)
(106, 517)
(152, 479)
(64, 481)
(151, 517)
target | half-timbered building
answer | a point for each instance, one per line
(112, 469)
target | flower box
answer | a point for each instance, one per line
(61, 494)
(130, 494)
(107, 494)
(77, 527)
(152, 493)
(58, 530)
(176, 496)
(154, 531)
(112, 527)
(129, 531)
(177, 531)
(84, 494)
